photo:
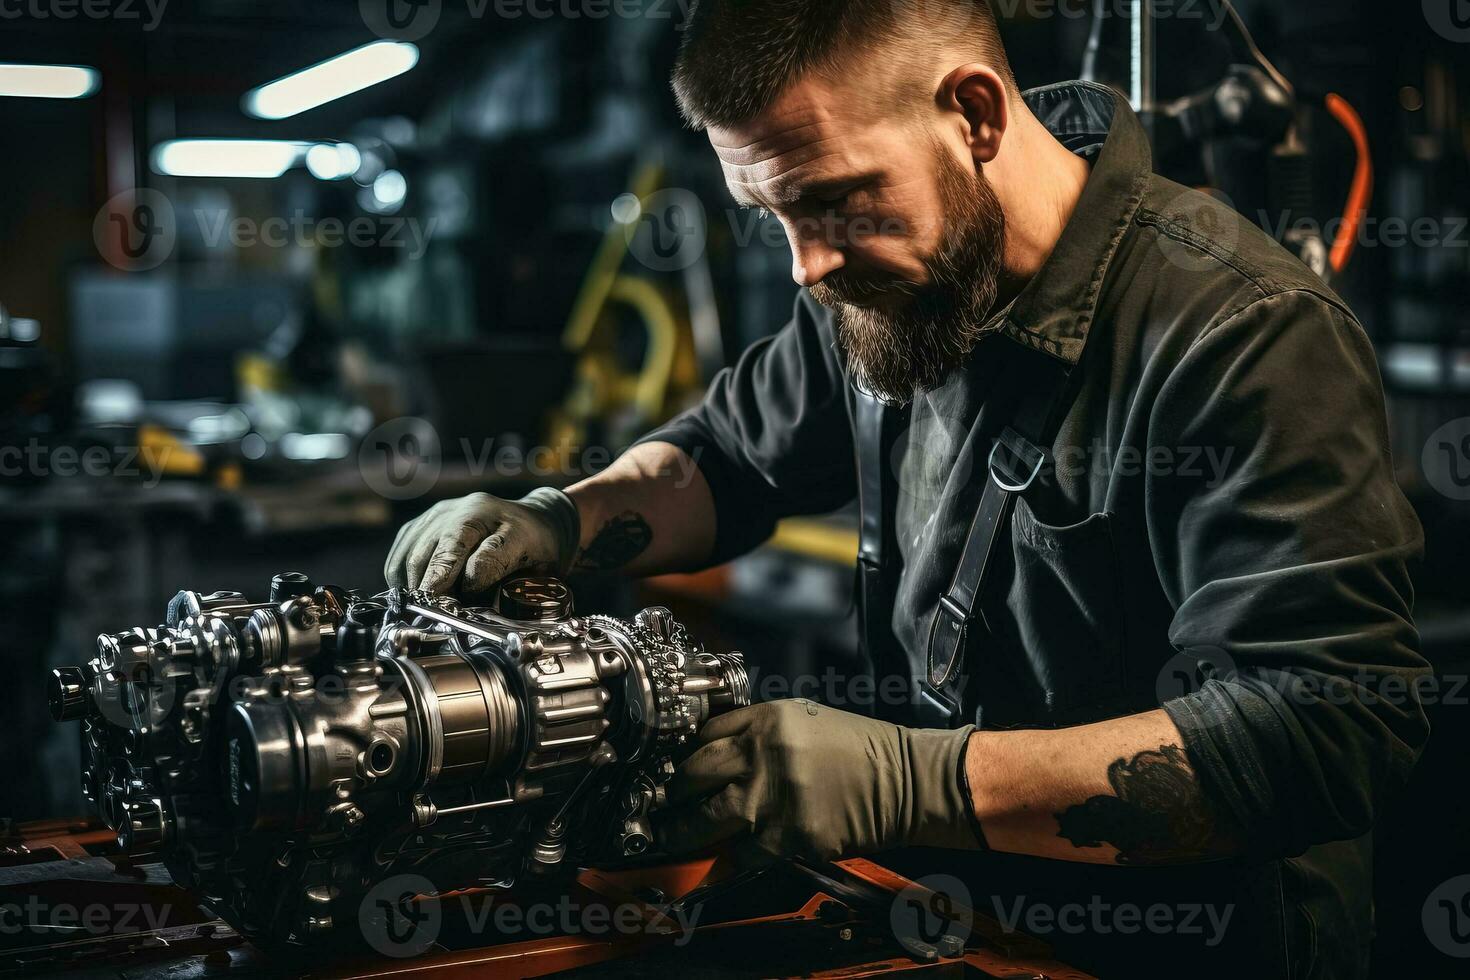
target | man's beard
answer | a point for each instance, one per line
(913, 347)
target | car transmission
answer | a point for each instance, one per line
(285, 756)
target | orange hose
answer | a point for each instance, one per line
(1362, 189)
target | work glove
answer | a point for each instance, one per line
(808, 781)
(479, 540)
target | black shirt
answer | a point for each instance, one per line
(1221, 492)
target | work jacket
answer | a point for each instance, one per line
(1216, 531)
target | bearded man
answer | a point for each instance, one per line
(1132, 545)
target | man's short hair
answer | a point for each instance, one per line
(738, 55)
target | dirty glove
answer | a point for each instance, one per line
(809, 781)
(479, 540)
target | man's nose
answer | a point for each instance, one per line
(813, 258)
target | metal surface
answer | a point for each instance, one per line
(833, 921)
(285, 758)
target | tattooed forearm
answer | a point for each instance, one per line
(1159, 814)
(618, 542)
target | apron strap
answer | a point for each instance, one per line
(1016, 459)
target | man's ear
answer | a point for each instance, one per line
(977, 93)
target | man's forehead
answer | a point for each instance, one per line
(809, 128)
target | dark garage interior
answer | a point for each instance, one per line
(250, 328)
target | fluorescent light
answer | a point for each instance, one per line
(333, 161)
(331, 79)
(48, 81)
(390, 189)
(226, 158)
(314, 445)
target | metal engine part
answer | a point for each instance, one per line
(285, 756)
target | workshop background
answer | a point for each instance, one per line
(498, 265)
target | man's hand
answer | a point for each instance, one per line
(478, 540)
(809, 781)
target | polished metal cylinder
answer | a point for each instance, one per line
(470, 721)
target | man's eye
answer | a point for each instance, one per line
(847, 202)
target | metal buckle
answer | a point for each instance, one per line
(958, 621)
(953, 608)
(1016, 488)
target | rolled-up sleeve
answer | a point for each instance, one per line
(1289, 568)
(772, 436)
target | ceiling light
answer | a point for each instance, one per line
(390, 189)
(226, 158)
(331, 79)
(48, 81)
(333, 161)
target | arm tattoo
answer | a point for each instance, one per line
(1158, 815)
(620, 540)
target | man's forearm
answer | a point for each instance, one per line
(1120, 791)
(650, 512)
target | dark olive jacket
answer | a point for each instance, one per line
(1220, 492)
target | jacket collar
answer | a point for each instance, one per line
(1055, 310)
